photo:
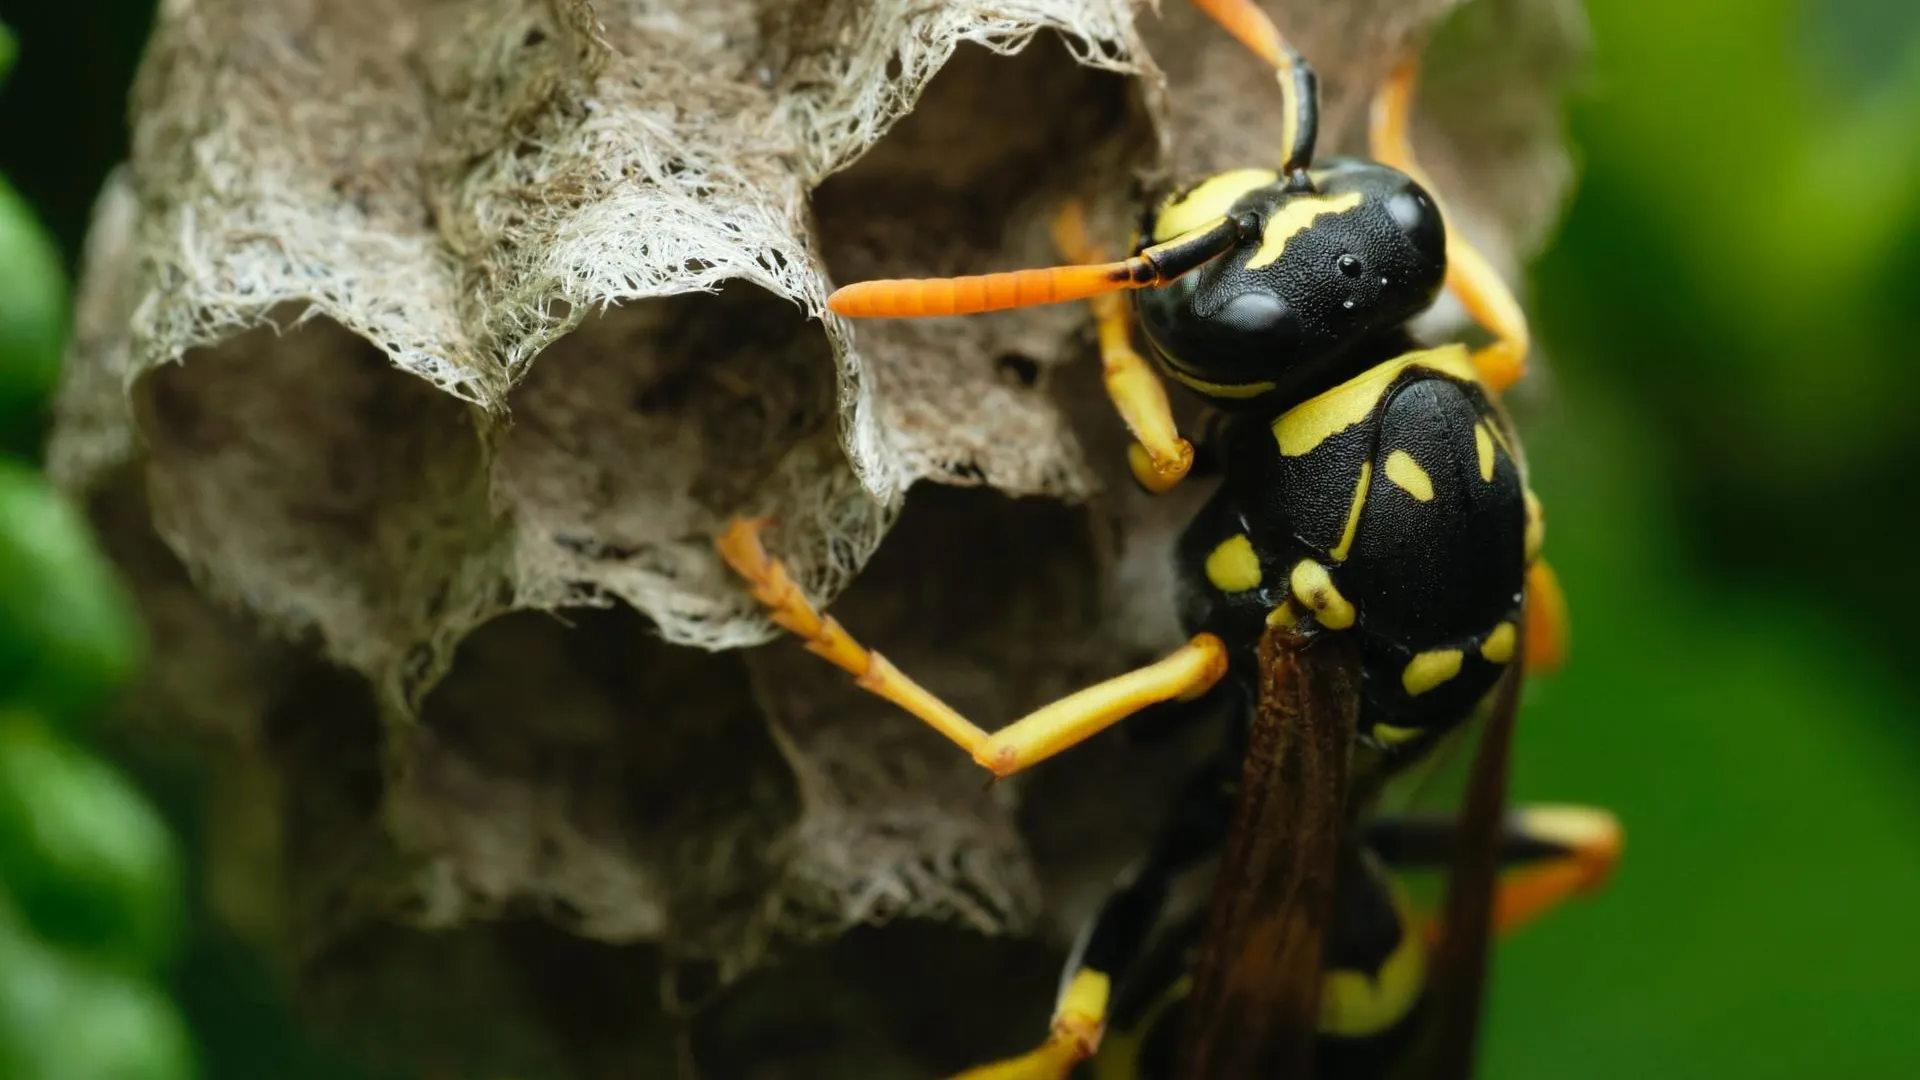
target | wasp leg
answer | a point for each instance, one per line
(1188, 672)
(1474, 280)
(1547, 622)
(1119, 932)
(1550, 853)
(1078, 1018)
(1160, 457)
(1584, 846)
(1298, 86)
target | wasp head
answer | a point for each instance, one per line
(1320, 271)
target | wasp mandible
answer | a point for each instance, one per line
(1366, 578)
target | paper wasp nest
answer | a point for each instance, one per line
(425, 344)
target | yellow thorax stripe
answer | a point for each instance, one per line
(1359, 503)
(1317, 419)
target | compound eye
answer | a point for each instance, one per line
(1419, 219)
(1255, 314)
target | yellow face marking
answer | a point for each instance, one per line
(1232, 391)
(1390, 735)
(1536, 527)
(1355, 1004)
(1283, 615)
(1209, 200)
(1296, 217)
(1313, 587)
(1233, 567)
(1498, 648)
(1483, 446)
(1340, 550)
(1408, 476)
(1429, 669)
(1317, 419)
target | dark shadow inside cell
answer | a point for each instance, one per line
(530, 689)
(905, 1000)
(410, 1001)
(650, 412)
(1022, 370)
(971, 568)
(628, 749)
(303, 471)
(993, 142)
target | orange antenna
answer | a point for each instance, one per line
(897, 298)
(1252, 27)
(912, 297)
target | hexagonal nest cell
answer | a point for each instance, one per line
(422, 351)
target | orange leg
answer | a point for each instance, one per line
(1591, 840)
(1548, 626)
(1474, 280)
(1188, 672)
(1160, 457)
(1562, 852)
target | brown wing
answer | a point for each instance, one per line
(1438, 778)
(1255, 1006)
(1461, 958)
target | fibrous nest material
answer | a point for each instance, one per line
(423, 347)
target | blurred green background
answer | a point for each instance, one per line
(1721, 434)
(1727, 459)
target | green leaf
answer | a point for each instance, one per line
(1760, 763)
(68, 636)
(9, 48)
(62, 1018)
(88, 863)
(33, 319)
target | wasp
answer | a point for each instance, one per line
(1366, 579)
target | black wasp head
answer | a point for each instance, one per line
(1317, 275)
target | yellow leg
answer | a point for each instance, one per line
(1160, 457)
(1189, 671)
(1077, 1022)
(1472, 279)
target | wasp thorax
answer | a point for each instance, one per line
(1321, 277)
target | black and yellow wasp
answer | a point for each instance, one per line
(1364, 581)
